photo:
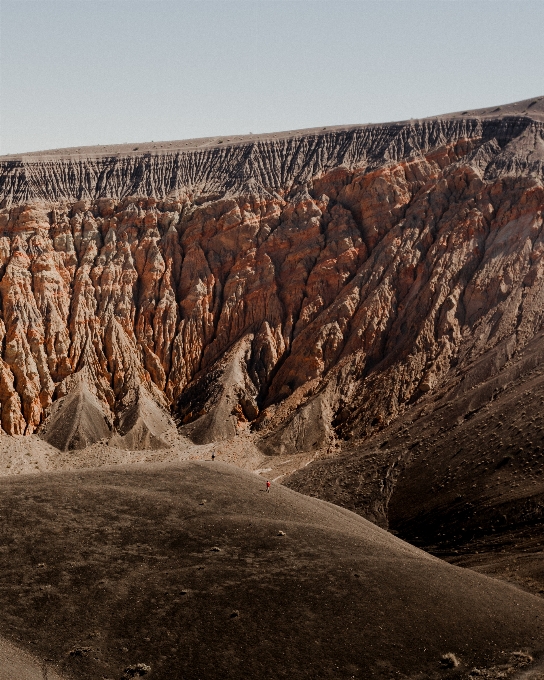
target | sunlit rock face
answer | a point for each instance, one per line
(313, 286)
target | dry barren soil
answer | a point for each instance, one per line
(194, 572)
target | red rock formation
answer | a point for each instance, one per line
(316, 291)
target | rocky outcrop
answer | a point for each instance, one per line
(309, 287)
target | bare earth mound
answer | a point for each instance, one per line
(195, 571)
(142, 426)
(76, 421)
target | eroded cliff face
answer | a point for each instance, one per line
(310, 288)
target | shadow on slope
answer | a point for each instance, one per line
(194, 570)
(461, 473)
(473, 490)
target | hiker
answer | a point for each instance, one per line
(267, 486)
(213, 456)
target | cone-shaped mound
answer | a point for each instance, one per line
(76, 421)
(197, 572)
(141, 425)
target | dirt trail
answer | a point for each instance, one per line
(16, 664)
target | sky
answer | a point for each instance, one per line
(86, 72)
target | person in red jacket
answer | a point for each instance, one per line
(267, 486)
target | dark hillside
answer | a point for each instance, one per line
(462, 474)
(195, 571)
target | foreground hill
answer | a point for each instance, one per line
(194, 571)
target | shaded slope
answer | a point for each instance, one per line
(184, 568)
(461, 473)
(487, 473)
(475, 484)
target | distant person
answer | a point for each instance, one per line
(213, 456)
(267, 486)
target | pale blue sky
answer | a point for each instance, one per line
(82, 72)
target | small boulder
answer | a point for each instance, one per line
(136, 671)
(449, 660)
